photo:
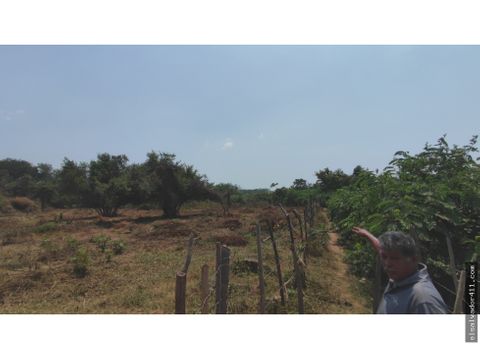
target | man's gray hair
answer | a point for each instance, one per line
(398, 241)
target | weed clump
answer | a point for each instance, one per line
(101, 241)
(118, 247)
(80, 261)
(47, 227)
(107, 246)
(72, 244)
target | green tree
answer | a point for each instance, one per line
(173, 183)
(140, 187)
(108, 187)
(45, 187)
(17, 177)
(300, 184)
(73, 183)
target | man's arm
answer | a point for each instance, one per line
(365, 233)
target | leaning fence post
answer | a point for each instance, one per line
(204, 289)
(277, 263)
(224, 271)
(261, 280)
(299, 218)
(458, 307)
(180, 290)
(306, 233)
(298, 277)
(312, 214)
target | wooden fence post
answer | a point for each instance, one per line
(218, 277)
(306, 233)
(261, 280)
(277, 263)
(458, 307)
(188, 257)
(224, 277)
(298, 277)
(204, 290)
(180, 291)
(299, 218)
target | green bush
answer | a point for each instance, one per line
(118, 247)
(47, 227)
(317, 241)
(101, 241)
(430, 196)
(80, 262)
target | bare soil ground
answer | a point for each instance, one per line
(37, 253)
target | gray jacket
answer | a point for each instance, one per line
(414, 295)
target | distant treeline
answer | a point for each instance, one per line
(109, 183)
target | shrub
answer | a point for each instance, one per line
(72, 245)
(118, 247)
(317, 241)
(47, 227)
(23, 204)
(244, 266)
(80, 261)
(101, 241)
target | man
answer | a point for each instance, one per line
(410, 289)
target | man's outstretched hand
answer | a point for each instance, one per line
(365, 233)
(362, 232)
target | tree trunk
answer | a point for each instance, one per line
(170, 211)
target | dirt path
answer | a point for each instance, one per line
(341, 285)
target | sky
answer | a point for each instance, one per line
(248, 115)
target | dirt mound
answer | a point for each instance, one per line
(232, 224)
(171, 229)
(23, 204)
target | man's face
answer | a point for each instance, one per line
(397, 266)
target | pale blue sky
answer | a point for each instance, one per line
(249, 115)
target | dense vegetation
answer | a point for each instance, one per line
(433, 196)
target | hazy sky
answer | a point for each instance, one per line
(249, 115)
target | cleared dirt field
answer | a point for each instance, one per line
(131, 261)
